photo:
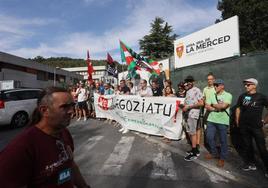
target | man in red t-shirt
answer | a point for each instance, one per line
(42, 155)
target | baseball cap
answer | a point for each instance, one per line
(251, 80)
(219, 81)
(189, 79)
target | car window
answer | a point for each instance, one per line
(11, 96)
(21, 95)
(29, 94)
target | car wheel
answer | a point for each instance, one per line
(20, 119)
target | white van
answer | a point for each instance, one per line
(17, 105)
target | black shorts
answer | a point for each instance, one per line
(82, 105)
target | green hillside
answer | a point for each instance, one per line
(66, 62)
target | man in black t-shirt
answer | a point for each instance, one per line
(123, 88)
(249, 119)
(155, 89)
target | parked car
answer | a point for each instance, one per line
(17, 105)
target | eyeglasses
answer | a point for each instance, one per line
(216, 85)
(247, 85)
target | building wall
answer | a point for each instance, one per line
(26, 79)
(33, 74)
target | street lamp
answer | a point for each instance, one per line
(55, 68)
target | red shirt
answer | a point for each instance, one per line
(35, 159)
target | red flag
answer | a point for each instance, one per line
(110, 59)
(90, 69)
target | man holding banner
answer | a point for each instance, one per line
(145, 91)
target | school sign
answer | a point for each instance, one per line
(212, 43)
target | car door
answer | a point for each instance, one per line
(28, 100)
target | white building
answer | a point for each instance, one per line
(32, 74)
(99, 74)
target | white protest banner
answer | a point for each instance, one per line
(218, 41)
(152, 115)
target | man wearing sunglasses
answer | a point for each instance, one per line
(249, 119)
(218, 121)
(193, 102)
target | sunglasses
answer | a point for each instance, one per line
(216, 85)
(247, 85)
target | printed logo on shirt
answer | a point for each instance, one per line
(64, 155)
(64, 176)
(247, 100)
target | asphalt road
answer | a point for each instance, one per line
(108, 159)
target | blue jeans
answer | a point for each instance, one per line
(210, 134)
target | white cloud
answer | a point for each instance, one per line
(14, 31)
(184, 18)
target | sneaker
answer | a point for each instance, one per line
(190, 157)
(85, 119)
(249, 167)
(197, 153)
(122, 129)
(208, 156)
(78, 119)
(191, 151)
(220, 163)
(125, 131)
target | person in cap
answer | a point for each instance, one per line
(192, 103)
(218, 121)
(249, 119)
(208, 91)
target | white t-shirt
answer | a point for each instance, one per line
(133, 91)
(147, 92)
(82, 94)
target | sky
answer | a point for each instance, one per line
(68, 28)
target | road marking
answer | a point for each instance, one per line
(215, 178)
(164, 167)
(118, 157)
(226, 174)
(82, 151)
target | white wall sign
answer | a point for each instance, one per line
(215, 42)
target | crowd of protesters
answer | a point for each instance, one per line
(211, 104)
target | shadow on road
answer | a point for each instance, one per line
(145, 171)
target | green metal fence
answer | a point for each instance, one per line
(233, 71)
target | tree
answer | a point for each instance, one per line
(158, 44)
(65, 62)
(253, 22)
